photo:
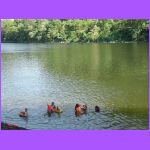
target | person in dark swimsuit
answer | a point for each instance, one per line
(97, 109)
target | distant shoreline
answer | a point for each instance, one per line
(103, 42)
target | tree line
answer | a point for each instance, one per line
(74, 30)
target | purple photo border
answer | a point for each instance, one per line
(0, 77)
(80, 139)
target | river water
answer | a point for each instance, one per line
(112, 76)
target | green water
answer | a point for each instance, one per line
(113, 76)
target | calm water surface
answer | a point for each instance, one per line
(113, 76)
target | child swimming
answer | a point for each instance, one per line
(97, 109)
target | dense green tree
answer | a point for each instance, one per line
(74, 30)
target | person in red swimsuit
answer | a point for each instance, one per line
(49, 108)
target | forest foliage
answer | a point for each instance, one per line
(74, 30)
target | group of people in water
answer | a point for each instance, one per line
(51, 108)
(82, 109)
